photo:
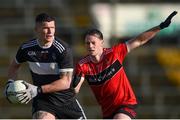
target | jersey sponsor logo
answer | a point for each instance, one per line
(105, 75)
(38, 54)
(31, 53)
(43, 54)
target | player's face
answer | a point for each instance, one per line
(94, 45)
(45, 31)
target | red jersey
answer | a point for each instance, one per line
(108, 80)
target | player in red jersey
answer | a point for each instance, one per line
(103, 69)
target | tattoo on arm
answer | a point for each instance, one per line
(67, 74)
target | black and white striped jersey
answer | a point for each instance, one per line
(46, 63)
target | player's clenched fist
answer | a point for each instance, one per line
(167, 22)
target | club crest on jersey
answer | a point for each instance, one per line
(52, 66)
(44, 54)
(31, 53)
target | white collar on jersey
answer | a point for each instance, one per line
(46, 45)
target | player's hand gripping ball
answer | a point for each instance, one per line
(13, 89)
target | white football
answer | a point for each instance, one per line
(16, 86)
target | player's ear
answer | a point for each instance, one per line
(102, 42)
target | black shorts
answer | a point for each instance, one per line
(72, 110)
(126, 109)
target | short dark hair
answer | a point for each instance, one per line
(95, 32)
(44, 17)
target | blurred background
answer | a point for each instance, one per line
(153, 69)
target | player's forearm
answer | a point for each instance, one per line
(77, 88)
(12, 70)
(142, 38)
(58, 85)
(147, 35)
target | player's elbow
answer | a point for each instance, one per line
(76, 91)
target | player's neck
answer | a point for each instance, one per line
(44, 44)
(97, 58)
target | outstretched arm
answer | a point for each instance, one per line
(149, 34)
(142, 38)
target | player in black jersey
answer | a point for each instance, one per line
(51, 65)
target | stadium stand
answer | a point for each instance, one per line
(173, 65)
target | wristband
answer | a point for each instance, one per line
(39, 89)
(9, 81)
